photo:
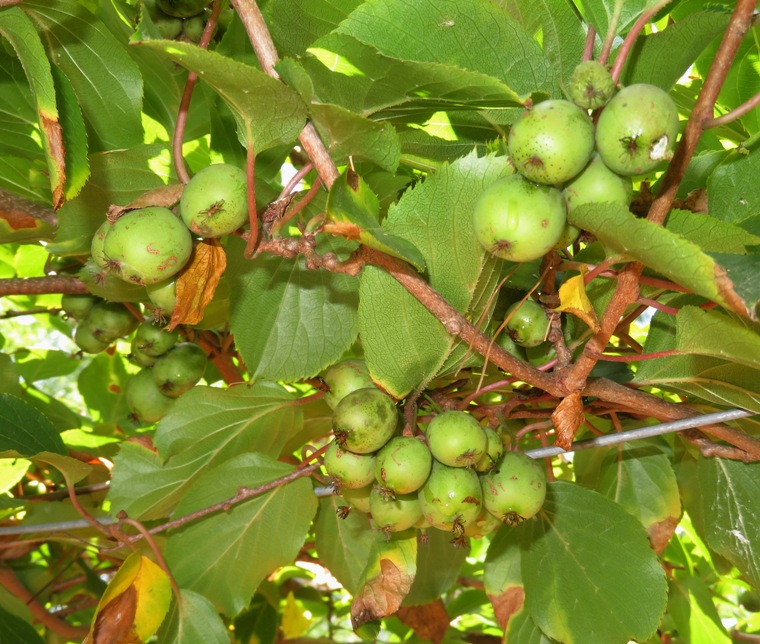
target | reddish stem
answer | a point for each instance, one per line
(639, 356)
(734, 114)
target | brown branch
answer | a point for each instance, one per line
(10, 582)
(42, 285)
(734, 114)
(740, 22)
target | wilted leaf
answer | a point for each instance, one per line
(567, 418)
(387, 577)
(197, 282)
(114, 622)
(573, 299)
(163, 197)
(428, 621)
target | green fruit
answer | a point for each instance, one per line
(394, 514)
(551, 142)
(139, 358)
(77, 305)
(456, 439)
(365, 420)
(569, 236)
(357, 497)
(193, 28)
(343, 378)
(451, 498)
(152, 340)
(169, 27)
(110, 321)
(540, 355)
(591, 85)
(597, 184)
(182, 8)
(144, 398)
(637, 130)
(518, 220)
(148, 245)
(403, 465)
(516, 489)
(215, 201)
(484, 525)
(349, 470)
(527, 323)
(163, 295)
(87, 341)
(96, 246)
(494, 450)
(180, 369)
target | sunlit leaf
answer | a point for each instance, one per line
(25, 431)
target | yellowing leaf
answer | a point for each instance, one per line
(295, 622)
(573, 299)
(134, 603)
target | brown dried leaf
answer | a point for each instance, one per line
(567, 418)
(429, 621)
(16, 220)
(56, 156)
(197, 282)
(163, 196)
(661, 532)
(343, 229)
(509, 603)
(115, 623)
(382, 595)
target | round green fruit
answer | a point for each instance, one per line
(343, 378)
(169, 27)
(148, 245)
(182, 8)
(215, 201)
(86, 340)
(456, 439)
(357, 498)
(551, 142)
(97, 250)
(394, 514)
(484, 525)
(110, 321)
(180, 369)
(153, 340)
(78, 305)
(518, 220)
(516, 489)
(193, 28)
(451, 498)
(163, 295)
(591, 85)
(403, 465)
(139, 358)
(494, 450)
(637, 130)
(365, 420)
(349, 470)
(527, 323)
(597, 184)
(144, 398)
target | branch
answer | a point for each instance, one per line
(734, 114)
(10, 582)
(42, 285)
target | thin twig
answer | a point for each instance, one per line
(734, 114)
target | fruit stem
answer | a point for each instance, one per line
(734, 114)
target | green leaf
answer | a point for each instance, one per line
(589, 573)
(669, 254)
(343, 544)
(217, 570)
(39, 364)
(713, 235)
(693, 611)
(439, 563)
(259, 622)
(101, 384)
(118, 177)
(661, 58)
(289, 322)
(555, 25)
(711, 333)
(18, 114)
(210, 427)
(730, 491)
(354, 209)
(470, 34)
(268, 112)
(638, 476)
(340, 70)
(742, 270)
(13, 628)
(105, 79)
(601, 13)
(25, 431)
(436, 217)
(193, 619)
(728, 197)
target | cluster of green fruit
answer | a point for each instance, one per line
(169, 368)
(457, 478)
(562, 161)
(182, 19)
(150, 246)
